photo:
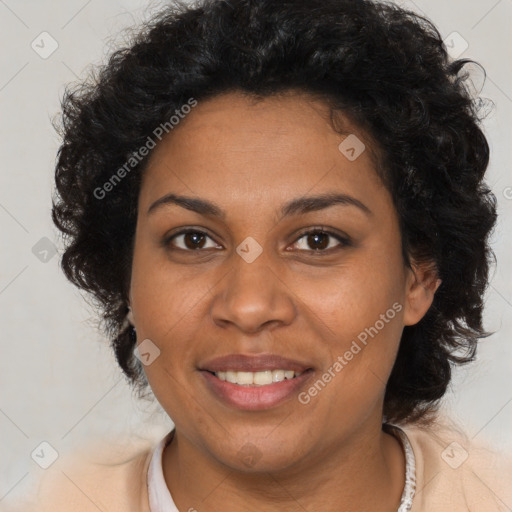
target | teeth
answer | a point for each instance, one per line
(278, 375)
(256, 378)
(261, 378)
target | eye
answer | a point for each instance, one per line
(189, 240)
(318, 241)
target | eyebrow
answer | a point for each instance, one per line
(298, 206)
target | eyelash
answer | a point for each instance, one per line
(345, 241)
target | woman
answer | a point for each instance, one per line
(280, 208)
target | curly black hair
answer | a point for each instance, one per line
(383, 66)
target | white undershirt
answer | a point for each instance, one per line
(160, 499)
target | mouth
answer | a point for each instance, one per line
(254, 382)
(261, 378)
(255, 391)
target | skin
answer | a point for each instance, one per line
(250, 158)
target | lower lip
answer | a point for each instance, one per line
(255, 398)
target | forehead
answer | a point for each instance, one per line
(243, 148)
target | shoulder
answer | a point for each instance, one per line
(100, 475)
(455, 473)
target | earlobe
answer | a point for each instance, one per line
(422, 284)
(129, 316)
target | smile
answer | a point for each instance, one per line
(255, 391)
(263, 378)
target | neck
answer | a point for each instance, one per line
(365, 473)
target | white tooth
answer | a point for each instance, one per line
(231, 377)
(244, 378)
(277, 375)
(262, 378)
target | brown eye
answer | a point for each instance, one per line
(321, 241)
(189, 240)
(318, 240)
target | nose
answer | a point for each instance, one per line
(252, 296)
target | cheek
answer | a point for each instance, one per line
(363, 337)
(358, 313)
(351, 297)
(165, 309)
(162, 297)
(168, 312)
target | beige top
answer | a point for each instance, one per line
(452, 475)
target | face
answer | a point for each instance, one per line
(249, 277)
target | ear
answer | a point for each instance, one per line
(421, 285)
(129, 316)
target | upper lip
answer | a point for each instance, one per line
(253, 363)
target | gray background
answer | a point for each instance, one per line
(58, 381)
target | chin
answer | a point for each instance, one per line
(263, 454)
